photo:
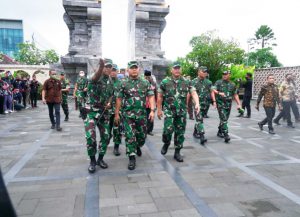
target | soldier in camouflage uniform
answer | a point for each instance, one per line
(223, 92)
(99, 92)
(65, 85)
(80, 91)
(172, 95)
(116, 134)
(203, 87)
(133, 91)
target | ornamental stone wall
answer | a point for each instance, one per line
(260, 77)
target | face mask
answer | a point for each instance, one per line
(54, 77)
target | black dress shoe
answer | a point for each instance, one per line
(116, 150)
(58, 128)
(205, 116)
(53, 127)
(276, 122)
(138, 151)
(271, 132)
(290, 126)
(226, 138)
(164, 149)
(247, 116)
(261, 127)
(102, 164)
(150, 133)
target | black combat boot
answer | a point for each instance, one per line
(202, 139)
(131, 164)
(164, 149)
(196, 134)
(177, 155)
(226, 137)
(92, 167)
(67, 117)
(261, 126)
(139, 151)
(220, 134)
(53, 126)
(116, 150)
(271, 131)
(101, 163)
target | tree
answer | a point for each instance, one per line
(211, 51)
(264, 36)
(263, 58)
(29, 54)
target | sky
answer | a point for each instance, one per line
(237, 19)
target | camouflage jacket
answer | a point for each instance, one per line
(99, 93)
(134, 93)
(226, 87)
(271, 95)
(174, 93)
(116, 87)
(203, 88)
(82, 83)
(65, 84)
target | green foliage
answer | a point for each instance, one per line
(29, 54)
(213, 52)
(264, 36)
(187, 67)
(20, 73)
(263, 58)
(240, 71)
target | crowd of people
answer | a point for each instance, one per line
(17, 92)
(124, 102)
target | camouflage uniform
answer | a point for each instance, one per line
(115, 128)
(203, 88)
(64, 103)
(174, 93)
(224, 103)
(134, 93)
(80, 93)
(98, 95)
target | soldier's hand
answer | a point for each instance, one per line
(214, 104)
(280, 107)
(257, 107)
(222, 94)
(117, 119)
(151, 116)
(159, 114)
(44, 101)
(101, 63)
(197, 109)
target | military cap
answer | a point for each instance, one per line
(176, 64)
(202, 69)
(132, 63)
(108, 62)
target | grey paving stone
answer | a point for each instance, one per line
(158, 214)
(227, 210)
(138, 209)
(78, 210)
(185, 213)
(172, 203)
(109, 211)
(27, 207)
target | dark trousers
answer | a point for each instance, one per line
(150, 124)
(51, 108)
(190, 108)
(295, 109)
(286, 112)
(33, 98)
(246, 104)
(270, 112)
(24, 97)
(1, 104)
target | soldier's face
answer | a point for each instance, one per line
(202, 74)
(107, 70)
(176, 72)
(133, 72)
(226, 77)
(113, 74)
(271, 80)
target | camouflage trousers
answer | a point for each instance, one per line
(64, 105)
(224, 112)
(116, 131)
(80, 99)
(135, 133)
(199, 126)
(90, 123)
(177, 125)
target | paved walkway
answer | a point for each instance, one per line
(256, 174)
